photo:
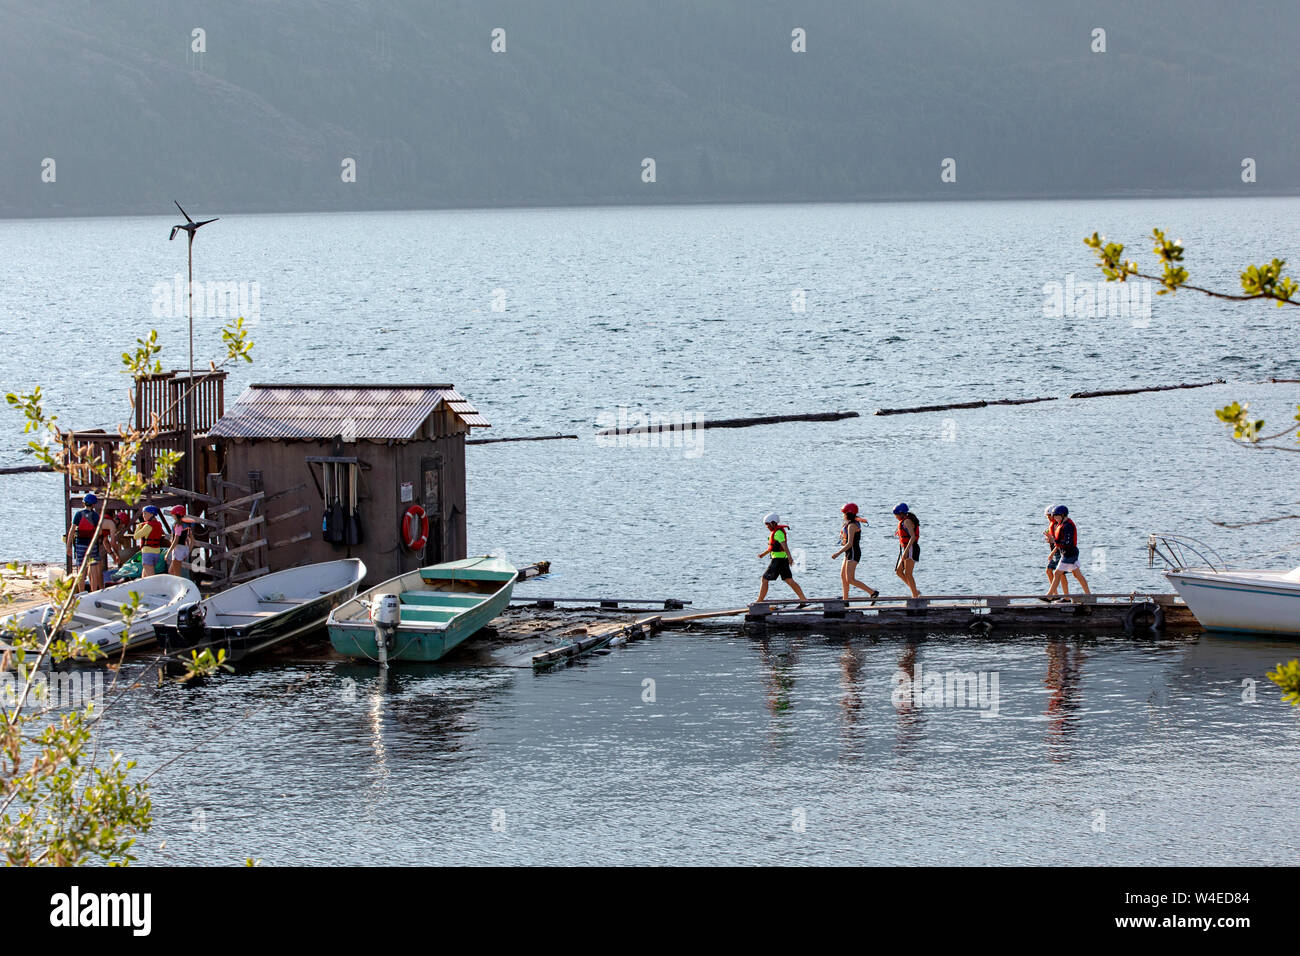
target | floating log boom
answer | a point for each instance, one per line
(1149, 388)
(984, 403)
(671, 426)
(498, 441)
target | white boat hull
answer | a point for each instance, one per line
(96, 616)
(1248, 602)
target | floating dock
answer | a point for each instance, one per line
(978, 614)
(541, 632)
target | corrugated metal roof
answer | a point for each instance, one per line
(374, 412)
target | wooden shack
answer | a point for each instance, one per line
(367, 453)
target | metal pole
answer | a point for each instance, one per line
(190, 473)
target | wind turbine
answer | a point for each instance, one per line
(190, 227)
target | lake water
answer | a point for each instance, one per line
(688, 311)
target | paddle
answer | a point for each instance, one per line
(326, 526)
(336, 509)
(354, 520)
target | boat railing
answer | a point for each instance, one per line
(1178, 552)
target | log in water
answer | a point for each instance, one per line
(1149, 388)
(984, 403)
(498, 441)
(686, 425)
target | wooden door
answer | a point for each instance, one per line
(431, 499)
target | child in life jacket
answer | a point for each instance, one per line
(150, 533)
(778, 548)
(81, 535)
(182, 543)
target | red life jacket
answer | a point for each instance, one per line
(86, 522)
(154, 538)
(1067, 538)
(905, 537)
(772, 542)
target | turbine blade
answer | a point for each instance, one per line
(183, 212)
(175, 229)
(203, 223)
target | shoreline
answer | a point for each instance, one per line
(25, 589)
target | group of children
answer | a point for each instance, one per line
(162, 549)
(1061, 534)
(908, 534)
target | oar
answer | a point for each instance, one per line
(336, 515)
(326, 525)
(354, 520)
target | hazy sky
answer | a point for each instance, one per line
(119, 106)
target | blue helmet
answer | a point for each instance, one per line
(152, 510)
(90, 499)
(1061, 510)
(901, 509)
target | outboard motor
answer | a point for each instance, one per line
(386, 612)
(189, 627)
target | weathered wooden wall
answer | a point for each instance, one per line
(284, 465)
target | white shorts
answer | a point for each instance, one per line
(1067, 567)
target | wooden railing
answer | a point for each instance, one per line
(102, 448)
(161, 395)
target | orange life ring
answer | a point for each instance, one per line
(415, 528)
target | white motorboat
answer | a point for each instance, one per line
(97, 615)
(1229, 599)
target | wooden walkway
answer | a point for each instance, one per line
(977, 613)
(966, 614)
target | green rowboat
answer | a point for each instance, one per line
(441, 607)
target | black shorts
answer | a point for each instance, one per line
(912, 551)
(778, 568)
(854, 553)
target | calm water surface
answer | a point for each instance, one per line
(687, 311)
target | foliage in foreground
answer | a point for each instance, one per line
(61, 802)
(1264, 282)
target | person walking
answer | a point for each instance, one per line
(1054, 557)
(1065, 538)
(778, 548)
(909, 546)
(851, 548)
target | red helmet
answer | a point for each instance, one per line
(850, 509)
(178, 511)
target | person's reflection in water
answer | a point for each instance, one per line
(852, 660)
(779, 662)
(778, 665)
(1064, 664)
(909, 715)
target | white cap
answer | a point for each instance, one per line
(771, 518)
